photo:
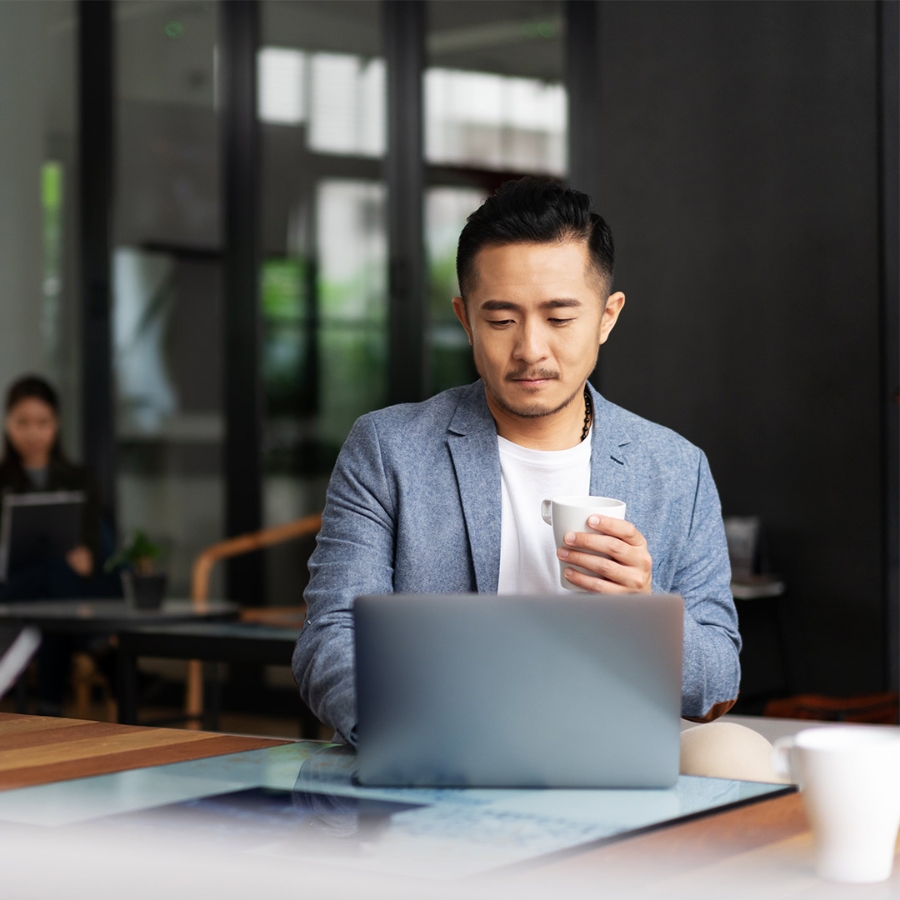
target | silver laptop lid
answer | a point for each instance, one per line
(499, 691)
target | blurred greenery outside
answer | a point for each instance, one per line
(52, 221)
(347, 334)
(348, 376)
(51, 201)
(451, 356)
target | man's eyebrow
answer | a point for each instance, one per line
(560, 303)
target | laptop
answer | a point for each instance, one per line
(36, 526)
(477, 690)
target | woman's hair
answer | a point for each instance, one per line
(29, 387)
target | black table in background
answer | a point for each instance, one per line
(211, 642)
(104, 618)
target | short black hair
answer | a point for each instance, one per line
(32, 387)
(534, 210)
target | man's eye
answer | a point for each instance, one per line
(560, 321)
(499, 323)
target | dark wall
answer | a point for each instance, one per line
(739, 171)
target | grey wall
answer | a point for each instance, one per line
(739, 173)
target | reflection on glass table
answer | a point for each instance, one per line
(301, 800)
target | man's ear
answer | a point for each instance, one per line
(459, 308)
(611, 314)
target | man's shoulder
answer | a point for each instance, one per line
(428, 419)
(413, 437)
(637, 436)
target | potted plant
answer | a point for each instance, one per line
(143, 586)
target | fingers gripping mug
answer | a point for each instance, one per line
(571, 514)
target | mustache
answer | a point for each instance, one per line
(532, 375)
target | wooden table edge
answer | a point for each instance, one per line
(113, 754)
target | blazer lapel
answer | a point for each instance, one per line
(473, 447)
(472, 443)
(611, 476)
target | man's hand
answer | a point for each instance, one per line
(81, 560)
(628, 568)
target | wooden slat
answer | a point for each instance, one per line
(91, 746)
(48, 738)
(38, 750)
(10, 724)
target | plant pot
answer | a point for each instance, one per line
(144, 591)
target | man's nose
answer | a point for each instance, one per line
(531, 346)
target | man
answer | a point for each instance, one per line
(444, 496)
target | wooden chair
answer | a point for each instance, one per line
(289, 616)
(85, 678)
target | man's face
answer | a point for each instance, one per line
(536, 316)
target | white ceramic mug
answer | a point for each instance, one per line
(849, 777)
(571, 514)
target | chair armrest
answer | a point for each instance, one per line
(245, 543)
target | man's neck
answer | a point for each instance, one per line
(559, 431)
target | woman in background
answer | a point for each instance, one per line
(33, 461)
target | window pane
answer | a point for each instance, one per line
(281, 85)
(495, 121)
(167, 280)
(451, 355)
(38, 253)
(324, 293)
(347, 104)
(353, 291)
(495, 106)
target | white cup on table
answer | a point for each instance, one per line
(571, 514)
(849, 778)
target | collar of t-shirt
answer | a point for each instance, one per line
(528, 563)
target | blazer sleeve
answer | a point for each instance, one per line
(711, 670)
(354, 555)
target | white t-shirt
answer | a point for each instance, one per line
(528, 563)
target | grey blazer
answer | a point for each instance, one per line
(414, 506)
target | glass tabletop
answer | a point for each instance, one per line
(301, 800)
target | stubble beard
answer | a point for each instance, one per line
(535, 410)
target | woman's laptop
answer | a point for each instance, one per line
(535, 691)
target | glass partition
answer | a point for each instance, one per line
(167, 266)
(38, 195)
(324, 279)
(446, 209)
(495, 108)
(492, 121)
